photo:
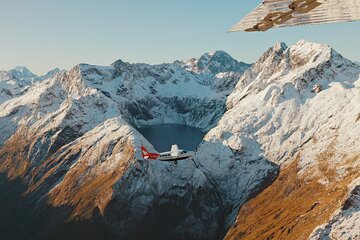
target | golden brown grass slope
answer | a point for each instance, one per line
(294, 205)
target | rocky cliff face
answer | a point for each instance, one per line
(277, 150)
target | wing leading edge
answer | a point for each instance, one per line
(285, 13)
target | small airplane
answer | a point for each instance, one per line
(285, 13)
(173, 155)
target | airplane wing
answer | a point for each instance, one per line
(284, 13)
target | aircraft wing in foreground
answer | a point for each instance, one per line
(284, 13)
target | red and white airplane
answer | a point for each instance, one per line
(173, 155)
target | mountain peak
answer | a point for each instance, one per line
(219, 53)
(22, 73)
(22, 69)
(304, 52)
(300, 54)
(280, 46)
(303, 44)
(214, 63)
(50, 74)
(120, 64)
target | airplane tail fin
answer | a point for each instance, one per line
(147, 155)
(144, 151)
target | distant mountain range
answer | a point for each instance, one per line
(15, 81)
(280, 160)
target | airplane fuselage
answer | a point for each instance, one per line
(181, 155)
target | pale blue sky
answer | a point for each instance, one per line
(43, 34)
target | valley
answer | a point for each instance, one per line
(268, 147)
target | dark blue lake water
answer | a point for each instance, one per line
(163, 136)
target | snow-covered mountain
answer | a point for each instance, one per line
(23, 74)
(49, 74)
(72, 141)
(214, 63)
(297, 107)
(283, 148)
(166, 93)
(16, 81)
